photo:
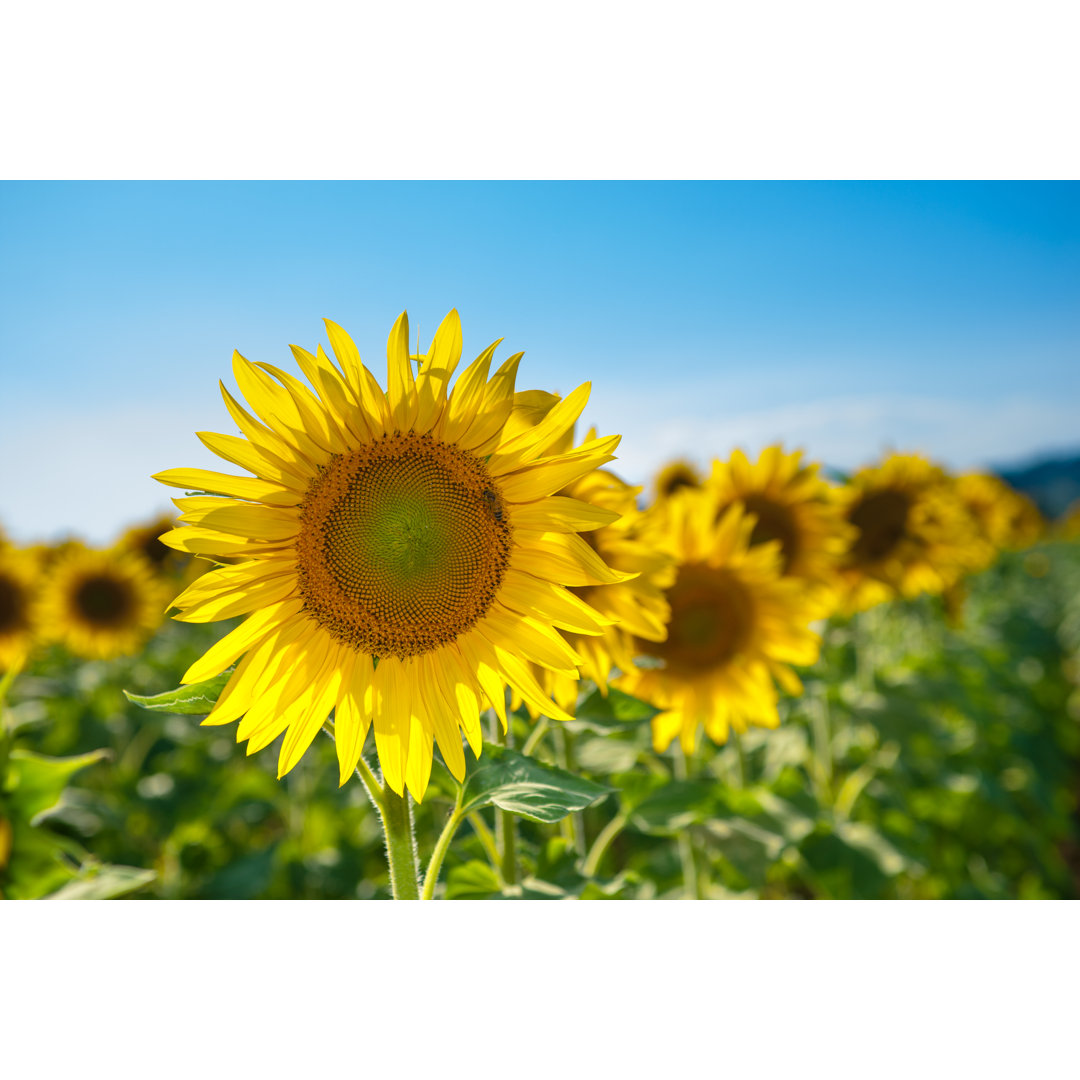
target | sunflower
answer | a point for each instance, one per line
(20, 576)
(1006, 518)
(403, 557)
(101, 604)
(736, 624)
(675, 476)
(634, 606)
(791, 504)
(145, 540)
(1068, 525)
(913, 534)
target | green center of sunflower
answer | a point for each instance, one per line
(881, 518)
(12, 605)
(403, 545)
(104, 601)
(712, 620)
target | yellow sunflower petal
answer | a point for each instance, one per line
(249, 633)
(238, 487)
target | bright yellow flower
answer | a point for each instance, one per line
(675, 476)
(404, 559)
(20, 579)
(101, 604)
(736, 624)
(792, 504)
(1006, 518)
(914, 535)
(634, 608)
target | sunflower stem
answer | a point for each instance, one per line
(442, 845)
(371, 782)
(862, 639)
(691, 882)
(740, 759)
(602, 842)
(823, 755)
(397, 824)
(575, 830)
(537, 733)
(506, 829)
(5, 685)
(5, 737)
(487, 841)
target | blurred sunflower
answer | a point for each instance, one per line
(675, 476)
(48, 554)
(20, 579)
(1006, 518)
(913, 534)
(145, 540)
(101, 604)
(633, 606)
(403, 556)
(736, 624)
(1068, 524)
(791, 504)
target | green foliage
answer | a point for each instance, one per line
(195, 699)
(922, 761)
(526, 787)
(103, 883)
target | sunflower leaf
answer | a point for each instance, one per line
(36, 782)
(474, 880)
(195, 699)
(616, 709)
(511, 781)
(674, 807)
(104, 883)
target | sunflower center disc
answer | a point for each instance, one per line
(103, 601)
(712, 618)
(156, 553)
(881, 518)
(11, 606)
(403, 545)
(677, 479)
(774, 522)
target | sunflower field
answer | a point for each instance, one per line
(470, 661)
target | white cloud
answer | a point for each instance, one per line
(841, 431)
(88, 472)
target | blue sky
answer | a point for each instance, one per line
(843, 318)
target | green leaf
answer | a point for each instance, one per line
(510, 781)
(196, 699)
(474, 880)
(862, 837)
(750, 848)
(616, 709)
(104, 883)
(673, 807)
(40, 862)
(36, 782)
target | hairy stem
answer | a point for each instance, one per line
(400, 845)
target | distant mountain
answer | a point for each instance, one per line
(1053, 483)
